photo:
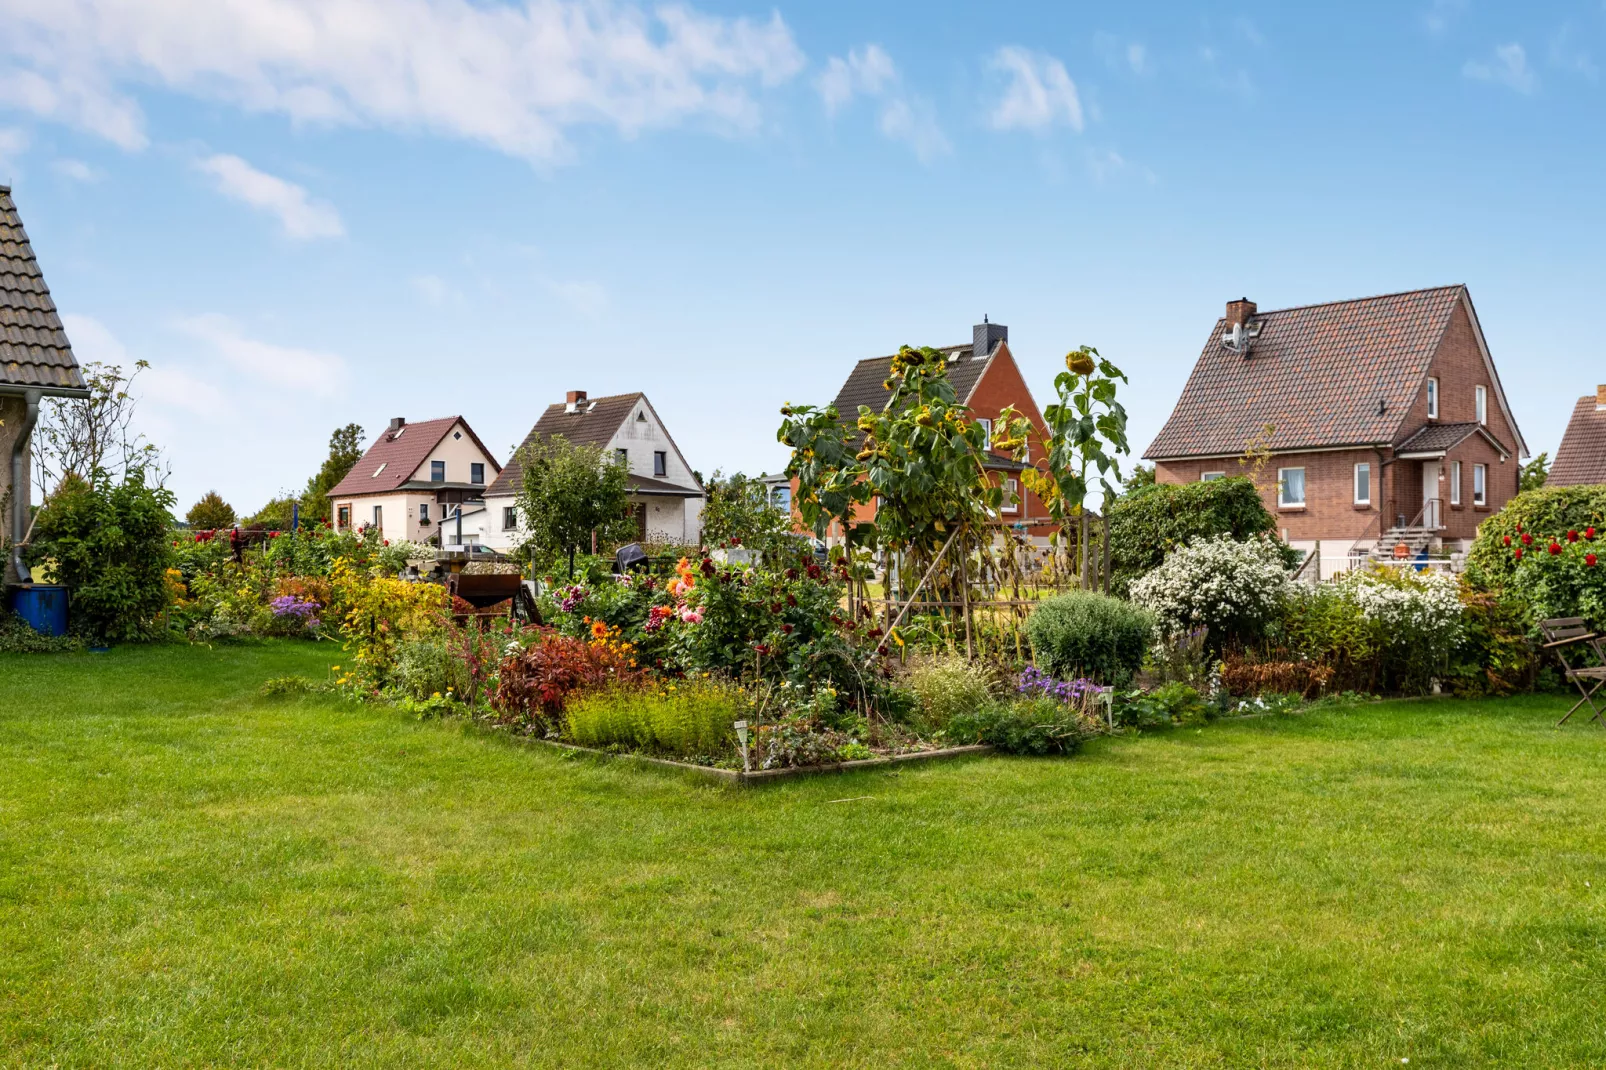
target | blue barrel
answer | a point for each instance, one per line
(43, 606)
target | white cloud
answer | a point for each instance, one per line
(161, 385)
(586, 298)
(1508, 68)
(1565, 55)
(1137, 57)
(513, 76)
(1108, 167)
(301, 217)
(869, 72)
(1040, 93)
(1132, 56)
(866, 71)
(285, 366)
(1441, 13)
(77, 170)
(435, 290)
(13, 143)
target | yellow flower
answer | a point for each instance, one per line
(334, 668)
(436, 695)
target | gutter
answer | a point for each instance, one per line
(19, 485)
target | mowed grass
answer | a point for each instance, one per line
(190, 876)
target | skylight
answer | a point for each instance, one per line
(378, 470)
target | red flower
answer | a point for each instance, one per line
(273, 534)
(387, 542)
(1555, 547)
(1572, 536)
(1589, 559)
(1518, 553)
(1527, 539)
(1589, 533)
(786, 629)
(1506, 540)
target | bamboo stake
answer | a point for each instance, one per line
(921, 586)
(1107, 562)
(964, 597)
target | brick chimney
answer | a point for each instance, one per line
(574, 397)
(1239, 312)
(985, 337)
(1600, 398)
(398, 422)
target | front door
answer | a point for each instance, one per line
(1430, 495)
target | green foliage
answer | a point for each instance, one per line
(739, 512)
(426, 667)
(16, 637)
(947, 687)
(1089, 635)
(1326, 624)
(1495, 655)
(110, 544)
(829, 477)
(1024, 726)
(288, 687)
(1086, 431)
(1172, 704)
(1141, 477)
(690, 719)
(1534, 473)
(277, 515)
(570, 493)
(1546, 512)
(1151, 521)
(210, 513)
(345, 450)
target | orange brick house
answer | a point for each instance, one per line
(1388, 423)
(987, 380)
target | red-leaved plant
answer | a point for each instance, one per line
(536, 684)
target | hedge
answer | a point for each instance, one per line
(1156, 519)
(1548, 511)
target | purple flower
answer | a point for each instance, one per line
(288, 605)
(1034, 681)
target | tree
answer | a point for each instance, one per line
(739, 508)
(210, 513)
(571, 493)
(345, 450)
(1142, 476)
(1534, 473)
(93, 434)
(278, 515)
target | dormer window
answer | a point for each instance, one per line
(1433, 399)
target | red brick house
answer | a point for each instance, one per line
(987, 380)
(1581, 457)
(1387, 421)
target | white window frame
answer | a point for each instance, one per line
(1433, 398)
(1206, 477)
(1480, 396)
(1363, 467)
(423, 512)
(1282, 488)
(1455, 482)
(986, 426)
(510, 518)
(1011, 496)
(379, 517)
(1480, 484)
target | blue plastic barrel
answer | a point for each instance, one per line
(43, 606)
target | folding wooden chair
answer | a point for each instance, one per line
(1563, 632)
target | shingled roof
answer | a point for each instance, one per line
(393, 458)
(593, 422)
(1581, 457)
(1436, 439)
(864, 383)
(1337, 374)
(34, 351)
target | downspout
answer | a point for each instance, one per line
(19, 485)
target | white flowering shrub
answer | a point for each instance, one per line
(1417, 617)
(1235, 589)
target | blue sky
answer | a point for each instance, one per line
(309, 212)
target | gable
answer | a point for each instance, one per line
(1581, 457)
(399, 454)
(34, 351)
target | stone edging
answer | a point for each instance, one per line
(762, 776)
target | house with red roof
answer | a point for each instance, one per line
(414, 478)
(1581, 457)
(1368, 424)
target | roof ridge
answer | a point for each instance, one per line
(1358, 300)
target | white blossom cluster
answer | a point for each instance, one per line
(1420, 608)
(1218, 583)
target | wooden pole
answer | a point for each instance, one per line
(920, 586)
(1107, 562)
(1081, 548)
(964, 597)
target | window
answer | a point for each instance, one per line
(1011, 496)
(423, 512)
(1291, 488)
(1480, 396)
(1455, 482)
(1433, 399)
(1480, 484)
(343, 518)
(1363, 484)
(660, 463)
(510, 518)
(781, 498)
(379, 517)
(476, 474)
(437, 471)
(986, 433)
(1205, 477)
(623, 456)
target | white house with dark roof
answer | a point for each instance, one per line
(664, 491)
(414, 478)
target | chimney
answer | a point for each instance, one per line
(985, 337)
(1600, 398)
(1239, 312)
(574, 397)
(397, 423)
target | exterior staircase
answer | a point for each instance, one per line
(1417, 538)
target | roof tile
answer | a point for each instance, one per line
(1581, 457)
(34, 350)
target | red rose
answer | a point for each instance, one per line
(1518, 553)
(1555, 547)
(1519, 525)
(1506, 540)
(1589, 559)
(1589, 533)
(1527, 539)
(387, 542)
(1572, 536)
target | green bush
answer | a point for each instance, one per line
(1549, 512)
(110, 541)
(947, 687)
(288, 687)
(17, 637)
(689, 719)
(1024, 726)
(425, 668)
(1174, 703)
(1089, 636)
(1155, 519)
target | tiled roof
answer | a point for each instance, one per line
(593, 423)
(659, 487)
(863, 386)
(1581, 457)
(1436, 438)
(34, 350)
(401, 452)
(1337, 374)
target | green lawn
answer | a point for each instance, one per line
(191, 876)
